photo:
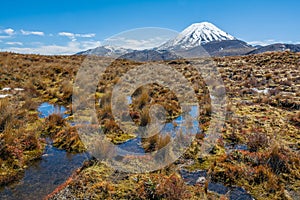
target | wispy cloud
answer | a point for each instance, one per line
(14, 43)
(67, 34)
(73, 36)
(268, 42)
(68, 49)
(39, 33)
(135, 43)
(4, 36)
(89, 35)
(90, 44)
(9, 31)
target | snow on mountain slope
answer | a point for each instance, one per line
(195, 35)
(107, 50)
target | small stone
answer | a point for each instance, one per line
(19, 89)
(201, 180)
(6, 89)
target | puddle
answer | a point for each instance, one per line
(232, 147)
(134, 145)
(46, 109)
(238, 193)
(191, 178)
(44, 175)
(233, 192)
(129, 99)
(217, 188)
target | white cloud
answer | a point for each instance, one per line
(73, 36)
(261, 43)
(90, 44)
(14, 43)
(135, 43)
(89, 35)
(270, 41)
(39, 33)
(9, 31)
(67, 34)
(69, 49)
(4, 36)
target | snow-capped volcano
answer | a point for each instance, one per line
(195, 35)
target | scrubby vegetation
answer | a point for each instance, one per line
(19, 141)
(258, 150)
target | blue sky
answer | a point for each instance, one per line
(65, 27)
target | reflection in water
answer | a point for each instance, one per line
(134, 146)
(44, 175)
(233, 192)
(46, 109)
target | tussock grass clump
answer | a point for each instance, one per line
(295, 118)
(67, 90)
(156, 142)
(69, 140)
(257, 141)
(6, 113)
(164, 187)
(53, 124)
(145, 117)
(63, 135)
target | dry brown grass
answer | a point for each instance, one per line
(19, 140)
(258, 170)
(156, 142)
(5, 114)
(164, 187)
(257, 141)
(69, 140)
(295, 118)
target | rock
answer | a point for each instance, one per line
(191, 178)
(201, 180)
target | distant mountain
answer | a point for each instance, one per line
(108, 51)
(196, 35)
(150, 55)
(219, 48)
(276, 48)
(199, 39)
(203, 39)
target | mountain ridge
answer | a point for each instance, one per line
(277, 47)
(197, 40)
